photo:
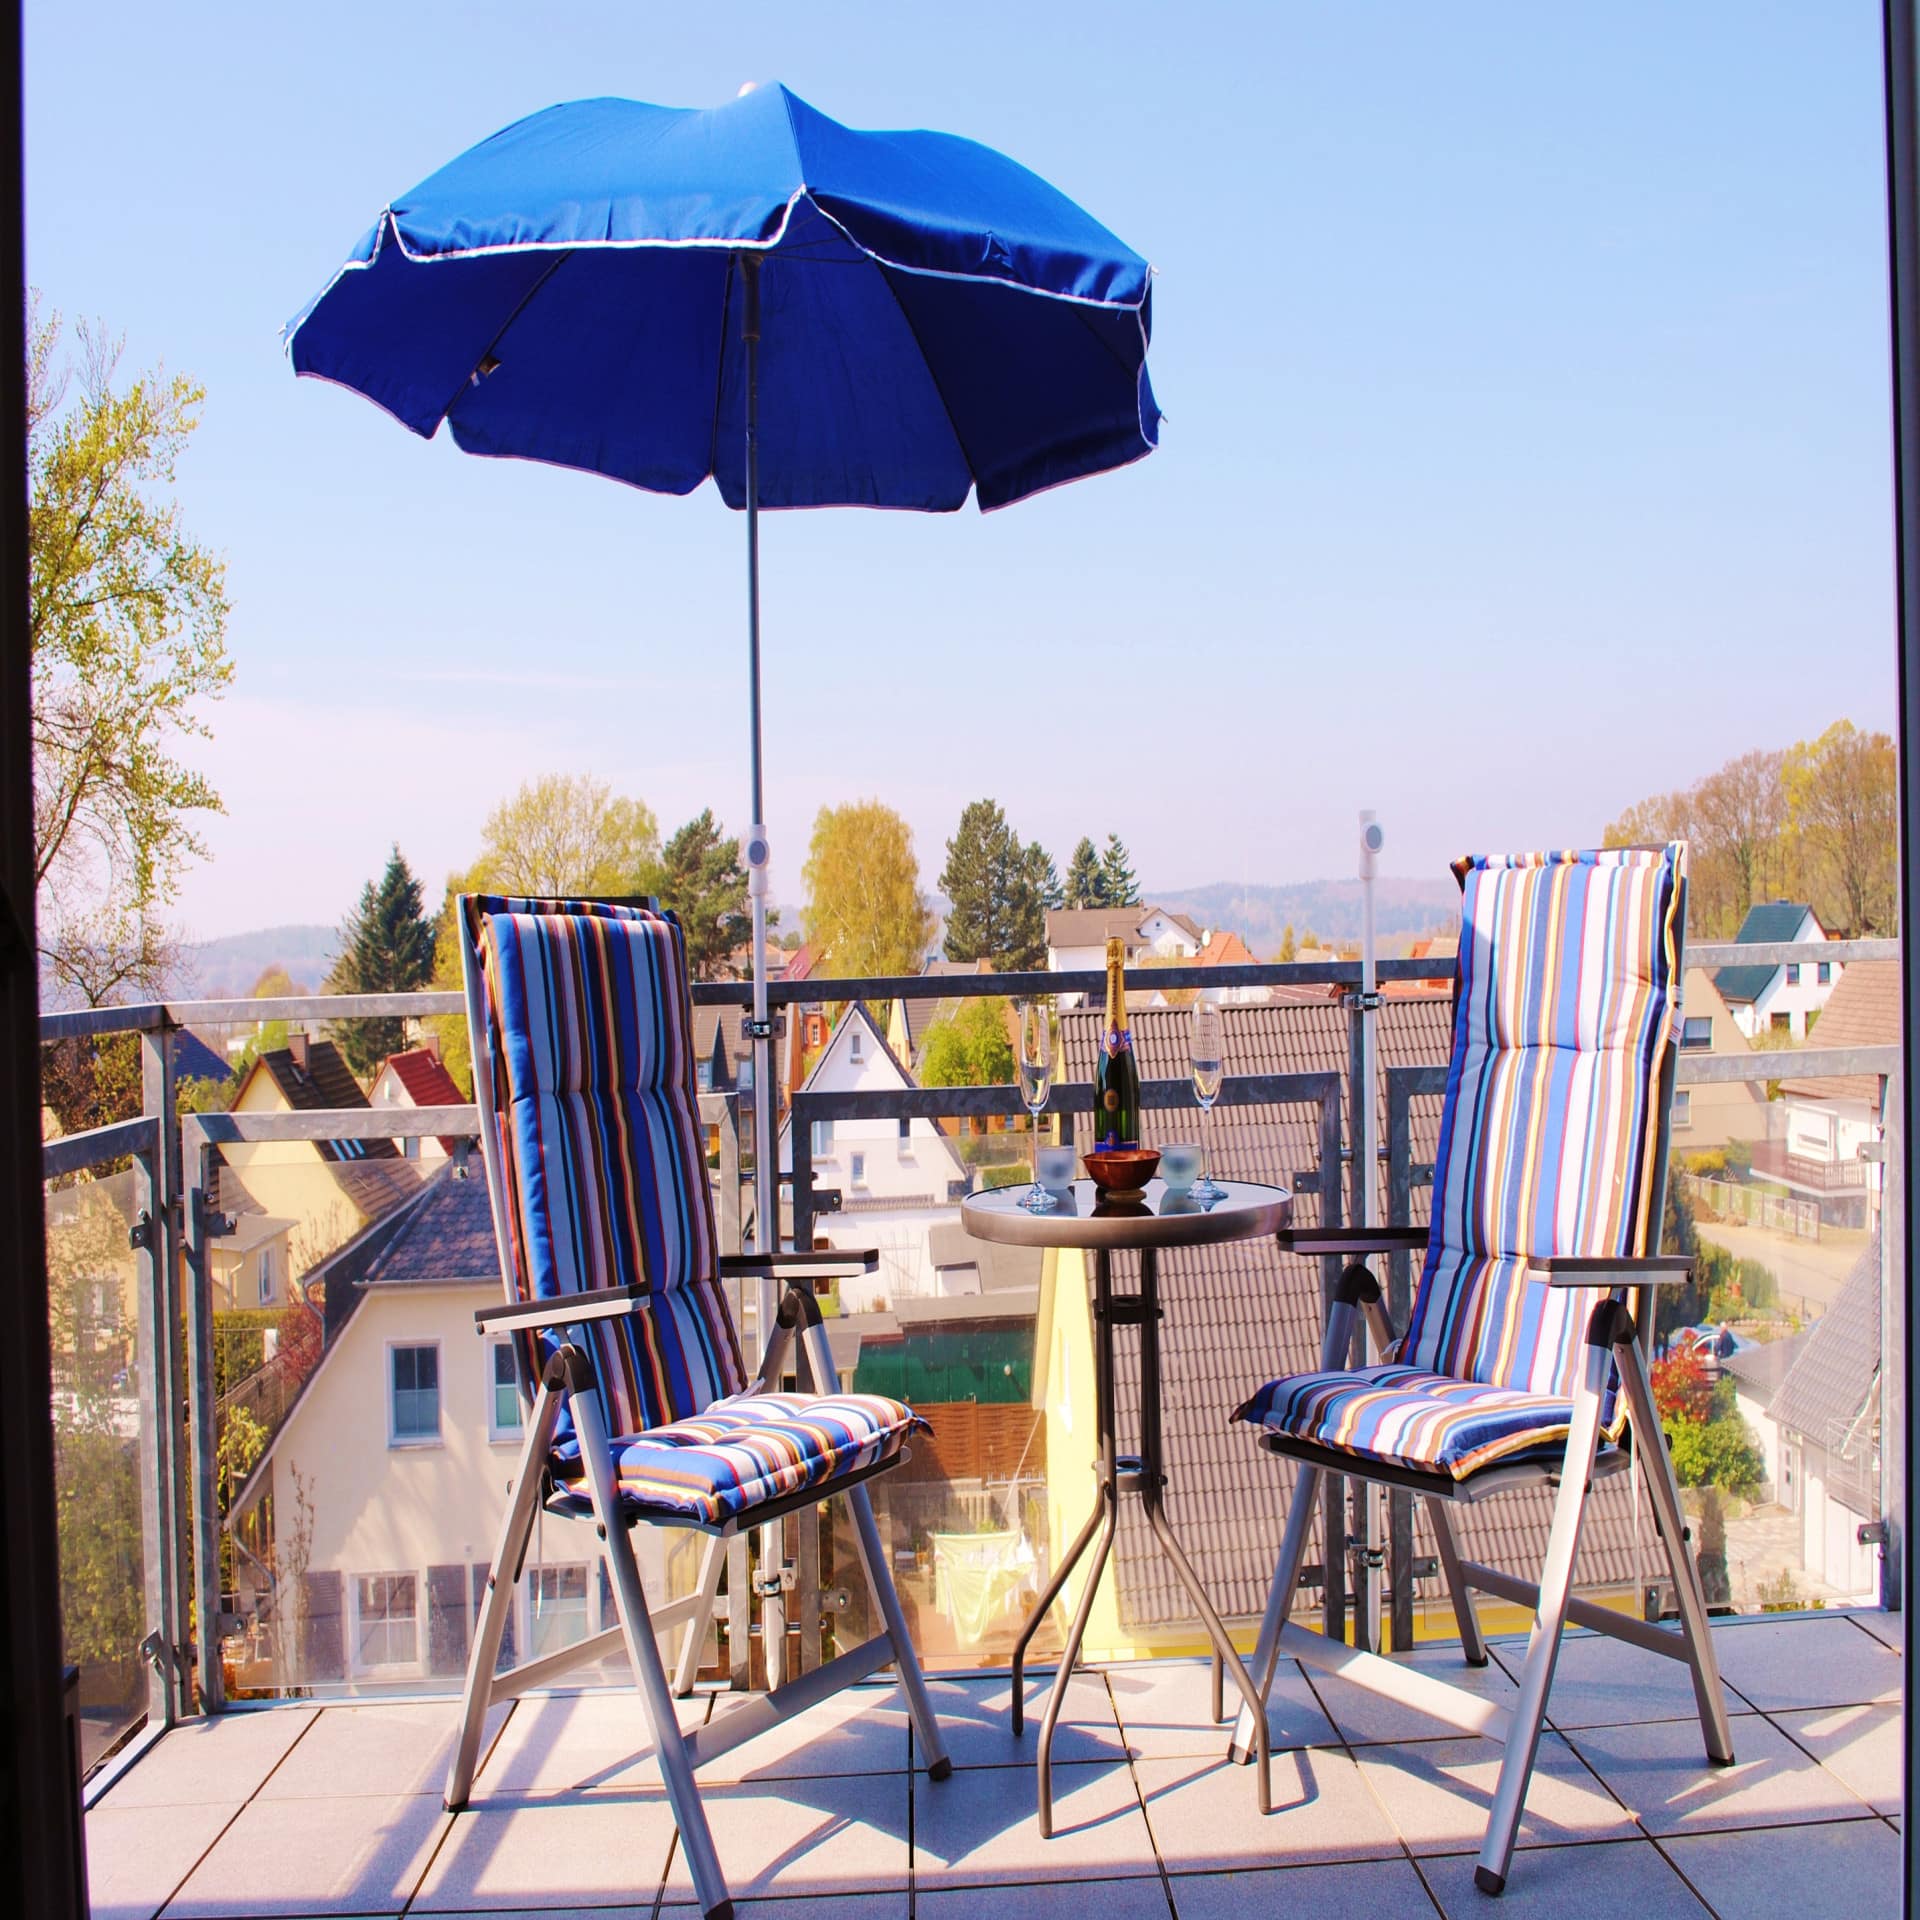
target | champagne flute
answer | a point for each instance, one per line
(1035, 1068)
(1206, 1056)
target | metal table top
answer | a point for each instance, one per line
(1162, 1219)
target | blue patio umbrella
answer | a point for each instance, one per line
(813, 316)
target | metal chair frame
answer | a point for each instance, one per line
(1617, 1336)
(798, 1335)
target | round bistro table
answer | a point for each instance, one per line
(1082, 1219)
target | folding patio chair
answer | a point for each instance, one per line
(1531, 1313)
(641, 1409)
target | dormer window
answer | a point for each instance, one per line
(855, 1049)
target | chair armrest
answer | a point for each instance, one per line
(829, 1263)
(563, 1310)
(1352, 1240)
(1616, 1270)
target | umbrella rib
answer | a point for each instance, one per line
(720, 371)
(953, 426)
(500, 332)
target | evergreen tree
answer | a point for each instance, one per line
(998, 889)
(386, 946)
(703, 881)
(1084, 884)
(1118, 887)
(1289, 946)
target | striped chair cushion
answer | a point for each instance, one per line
(743, 1453)
(604, 1157)
(1404, 1417)
(1567, 1003)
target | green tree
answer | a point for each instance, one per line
(1118, 887)
(864, 905)
(702, 880)
(126, 629)
(568, 835)
(386, 946)
(968, 1048)
(998, 890)
(1044, 878)
(1289, 947)
(1084, 886)
(1842, 813)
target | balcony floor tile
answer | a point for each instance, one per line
(863, 1730)
(1165, 1709)
(980, 1828)
(805, 1837)
(137, 1856)
(1599, 1682)
(1205, 1816)
(1789, 1663)
(226, 1757)
(378, 1750)
(976, 1720)
(1365, 1718)
(596, 1850)
(575, 1743)
(1340, 1890)
(1570, 1883)
(1852, 1870)
(1860, 1744)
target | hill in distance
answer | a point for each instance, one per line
(225, 969)
(1260, 915)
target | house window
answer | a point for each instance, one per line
(1823, 973)
(703, 1077)
(856, 1047)
(557, 1606)
(266, 1276)
(386, 1630)
(1793, 973)
(822, 1139)
(414, 1403)
(1697, 1032)
(1682, 1109)
(859, 1169)
(1780, 1022)
(504, 1411)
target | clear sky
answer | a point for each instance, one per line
(1527, 444)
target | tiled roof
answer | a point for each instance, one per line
(1239, 1314)
(921, 1014)
(726, 1023)
(1762, 1368)
(1831, 1381)
(1863, 1011)
(1093, 926)
(1193, 929)
(195, 1058)
(1224, 949)
(1767, 922)
(448, 1236)
(427, 1083)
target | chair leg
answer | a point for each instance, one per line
(1286, 1578)
(926, 1724)
(686, 1668)
(516, 1526)
(643, 1651)
(1664, 1494)
(1472, 1647)
(1543, 1646)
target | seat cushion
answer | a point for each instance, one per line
(744, 1452)
(1408, 1418)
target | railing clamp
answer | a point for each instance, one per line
(769, 1585)
(140, 1233)
(1356, 1001)
(753, 1029)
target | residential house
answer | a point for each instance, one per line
(1788, 997)
(1712, 1114)
(417, 1078)
(908, 1020)
(1821, 1123)
(1813, 1401)
(807, 1024)
(1077, 938)
(330, 1189)
(1235, 1316)
(196, 1058)
(251, 1267)
(367, 1525)
(896, 1179)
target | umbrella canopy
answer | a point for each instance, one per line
(934, 318)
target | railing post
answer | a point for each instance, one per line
(1333, 1496)
(1399, 1306)
(1893, 1334)
(800, 1133)
(197, 1164)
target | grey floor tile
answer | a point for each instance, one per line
(1205, 1814)
(863, 1730)
(1860, 1744)
(1661, 1774)
(805, 1837)
(359, 1855)
(1852, 1869)
(225, 1756)
(595, 1850)
(1890, 1629)
(1165, 1710)
(574, 1743)
(1600, 1682)
(1364, 1717)
(1791, 1663)
(975, 1718)
(1569, 1883)
(853, 1906)
(383, 1751)
(1344, 1890)
(1116, 1900)
(1439, 1793)
(979, 1828)
(136, 1856)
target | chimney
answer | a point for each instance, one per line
(297, 1046)
(431, 1041)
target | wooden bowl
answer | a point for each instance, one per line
(1121, 1173)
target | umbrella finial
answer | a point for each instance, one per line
(746, 87)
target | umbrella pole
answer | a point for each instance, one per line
(766, 1186)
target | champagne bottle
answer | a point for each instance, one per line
(1116, 1077)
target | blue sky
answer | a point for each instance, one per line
(1527, 443)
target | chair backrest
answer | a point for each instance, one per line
(581, 1020)
(1553, 1137)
